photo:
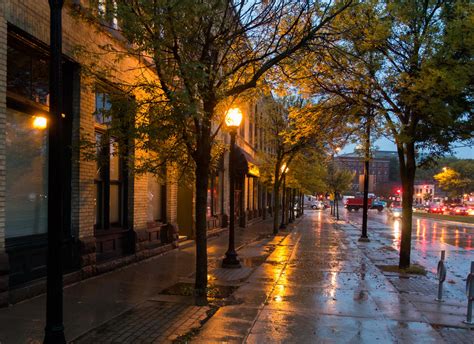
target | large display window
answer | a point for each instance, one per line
(26, 199)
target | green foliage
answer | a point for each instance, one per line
(452, 182)
(308, 172)
(464, 167)
(338, 180)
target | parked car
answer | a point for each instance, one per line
(435, 209)
(458, 210)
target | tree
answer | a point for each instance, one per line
(201, 56)
(452, 182)
(411, 63)
(298, 131)
(337, 180)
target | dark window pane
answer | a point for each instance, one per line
(39, 81)
(27, 74)
(102, 108)
(18, 72)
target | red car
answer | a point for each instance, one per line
(435, 209)
(459, 210)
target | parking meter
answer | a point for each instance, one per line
(441, 273)
(470, 295)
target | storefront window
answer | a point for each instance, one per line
(209, 198)
(108, 184)
(214, 196)
(26, 203)
(156, 210)
(251, 192)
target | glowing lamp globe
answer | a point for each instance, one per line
(233, 118)
(40, 122)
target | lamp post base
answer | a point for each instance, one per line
(363, 239)
(54, 334)
(231, 261)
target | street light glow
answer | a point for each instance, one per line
(40, 122)
(233, 118)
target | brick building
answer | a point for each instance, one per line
(115, 217)
(379, 168)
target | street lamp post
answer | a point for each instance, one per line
(54, 330)
(284, 169)
(232, 120)
(364, 237)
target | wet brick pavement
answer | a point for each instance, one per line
(149, 322)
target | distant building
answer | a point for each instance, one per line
(423, 192)
(379, 168)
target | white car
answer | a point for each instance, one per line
(395, 211)
(317, 205)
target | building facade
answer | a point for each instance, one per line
(114, 216)
(423, 192)
(379, 168)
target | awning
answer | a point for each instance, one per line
(246, 164)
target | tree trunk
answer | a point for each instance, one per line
(202, 158)
(276, 207)
(202, 175)
(407, 173)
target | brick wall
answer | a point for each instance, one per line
(172, 195)
(140, 201)
(32, 16)
(84, 170)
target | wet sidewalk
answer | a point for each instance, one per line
(131, 292)
(421, 290)
(317, 286)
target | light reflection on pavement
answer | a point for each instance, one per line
(429, 237)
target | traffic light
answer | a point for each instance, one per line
(399, 191)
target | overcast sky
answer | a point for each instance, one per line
(384, 144)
